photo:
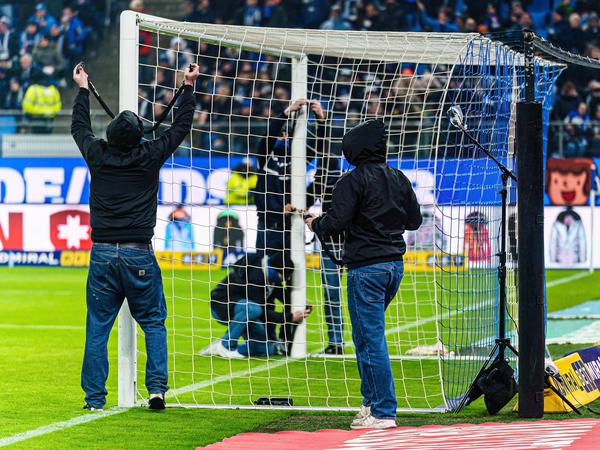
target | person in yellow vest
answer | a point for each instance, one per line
(241, 183)
(41, 104)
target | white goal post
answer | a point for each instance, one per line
(444, 319)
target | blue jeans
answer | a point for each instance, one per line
(246, 323)
(117, 273)
(330, 278)
(370, 290)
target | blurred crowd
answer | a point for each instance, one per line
(571, 24)
(37, 50)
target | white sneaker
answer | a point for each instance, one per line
(217, 348)
(374, 423)
(362, 414)
(211, 348)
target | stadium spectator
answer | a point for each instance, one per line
(29, 38)
(244, 301)
(272, 194)
(327, 174)
(592, 30)
(567, 100)
(241, 184)
(14, 97)
(336, 21)
(565, 7)
(24, 70)
(228, 236)
(572, 38)
(371, 20)
(41, 104)
(491, 18)
(274, 14)
(249, 15)
(444, 22)
(579, 117)
(593, 99)
(75, 34)
(122, 260)
(178, 55)
(313, 13)
(179, 232)
(199, 12)
(9, 43)
(42, 19)
(594, 149)
(48, 57)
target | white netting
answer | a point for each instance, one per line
(445, 317)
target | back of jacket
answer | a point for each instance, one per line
(373, 204)
(125, 172)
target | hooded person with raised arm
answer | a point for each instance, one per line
(123, 204)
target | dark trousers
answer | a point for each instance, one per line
(117, 273)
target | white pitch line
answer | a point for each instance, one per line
(173, 392)
(56, 426)
(117, 410)
(563, 280)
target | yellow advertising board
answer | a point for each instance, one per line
(189, 260)
(578, 386)
(419, 261)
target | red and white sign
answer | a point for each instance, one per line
(577, 434)
(43, 228)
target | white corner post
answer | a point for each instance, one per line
(298, 198)
(128, 99)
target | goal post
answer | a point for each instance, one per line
(444, 319)
(298, 196)
(128, 100)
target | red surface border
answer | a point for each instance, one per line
(578, 434)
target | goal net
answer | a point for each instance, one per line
(222, 199)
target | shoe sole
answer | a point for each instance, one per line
(363, 427)
(156, 403)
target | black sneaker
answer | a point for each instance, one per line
(157, 401)
(334, 349)
(91, 408)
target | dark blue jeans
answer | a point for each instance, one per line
(330, 278)
(117, 273)
(246, 323)
(370, 291)
(271, 241)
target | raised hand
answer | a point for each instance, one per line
(80, 76)
(295, 106)
(317, 109)
(191, 74)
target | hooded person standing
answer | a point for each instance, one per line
(123, 203)
(373, 205)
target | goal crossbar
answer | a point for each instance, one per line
(410, 47)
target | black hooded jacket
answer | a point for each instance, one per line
(124, 171)
(248, 279)
(373, 204)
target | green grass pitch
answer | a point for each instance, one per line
(42, 318)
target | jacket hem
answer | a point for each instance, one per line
(371, 261)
